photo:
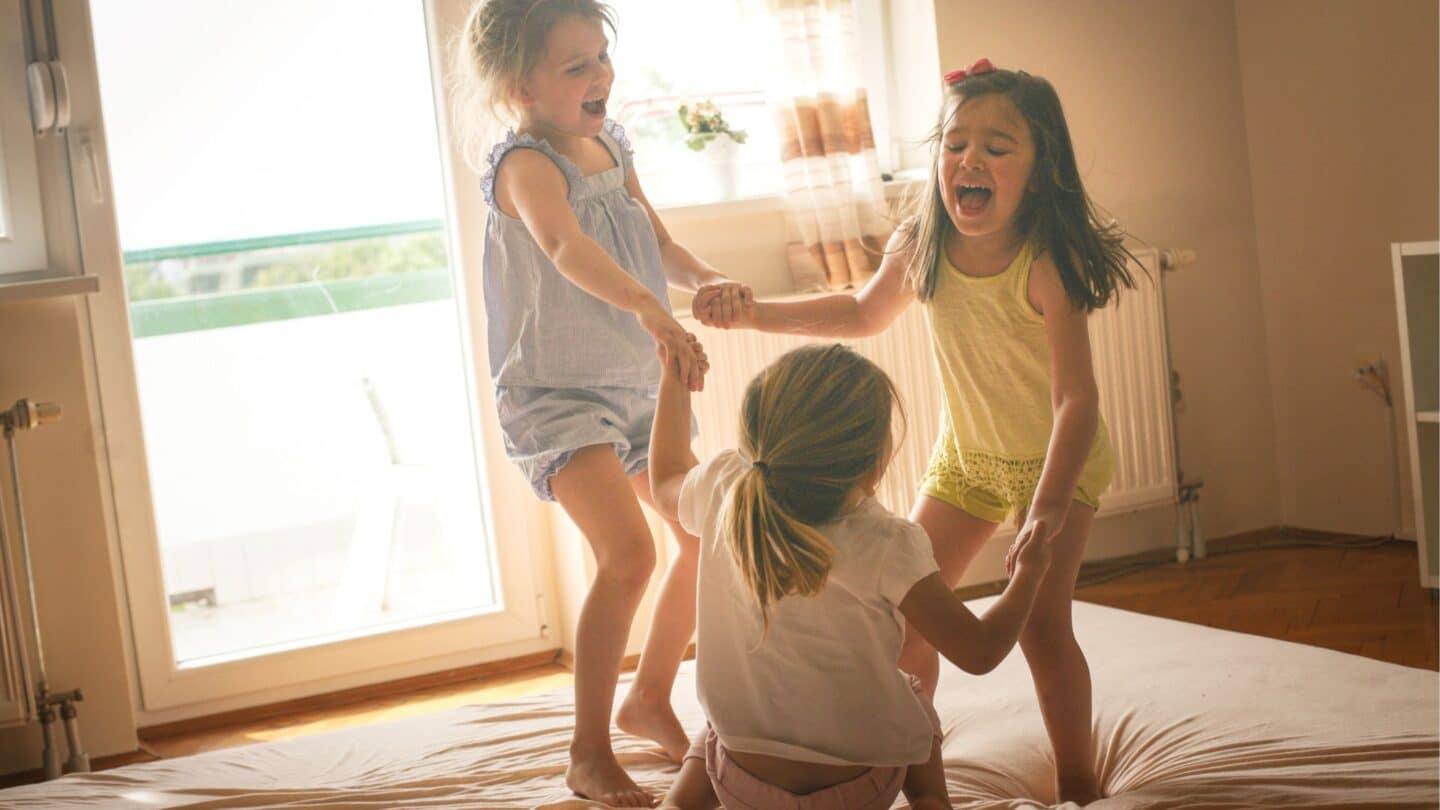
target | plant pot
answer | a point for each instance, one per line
(722, 157)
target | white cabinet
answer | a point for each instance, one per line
(1417, 301)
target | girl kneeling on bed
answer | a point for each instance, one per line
(805, 584)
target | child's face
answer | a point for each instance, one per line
(986, 156)
(567, 91)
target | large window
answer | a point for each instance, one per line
(669, 53)
(302, 356)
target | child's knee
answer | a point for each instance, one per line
(631, 567)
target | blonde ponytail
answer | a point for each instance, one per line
(778, 555)
(814, 424)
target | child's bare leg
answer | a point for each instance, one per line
(925, 783)
(956, 537)
(646, 711)
(596, 495)
(1058, 666)
(692, 789)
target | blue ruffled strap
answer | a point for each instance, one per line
(617, 134)
(513, 141)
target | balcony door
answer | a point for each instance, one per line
(306, 492)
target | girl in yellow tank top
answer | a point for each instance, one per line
(1005, 252)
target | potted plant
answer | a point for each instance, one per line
(706, 130)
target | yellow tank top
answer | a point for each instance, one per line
(994, 364)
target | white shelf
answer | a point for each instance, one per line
(43, 284)
(1417, 311)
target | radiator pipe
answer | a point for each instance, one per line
(1189, 542)
(27, 415)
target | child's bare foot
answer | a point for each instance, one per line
(600, 778)
(654, 720)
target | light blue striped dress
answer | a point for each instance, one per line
(544, 330)
(570, 370)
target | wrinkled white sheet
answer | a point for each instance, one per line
(1186, 717)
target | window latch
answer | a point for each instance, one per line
(49, 97)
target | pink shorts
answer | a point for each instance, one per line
(738, 789)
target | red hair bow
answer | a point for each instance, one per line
(981, 65)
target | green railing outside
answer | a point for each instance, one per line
(282, 240)
(196, 312)
(167, 316)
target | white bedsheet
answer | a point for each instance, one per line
(1186, 717)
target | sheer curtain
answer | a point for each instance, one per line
(834, 201)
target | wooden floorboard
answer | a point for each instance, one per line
(1365, 601)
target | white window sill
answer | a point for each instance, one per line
(745, 238)
(895, 189)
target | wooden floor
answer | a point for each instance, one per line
(1362, 601)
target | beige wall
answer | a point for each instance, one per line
(1152, 94)
(42, 359)
(1340, 97)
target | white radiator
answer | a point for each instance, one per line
(1131, 369)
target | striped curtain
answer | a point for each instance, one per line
(834, 201)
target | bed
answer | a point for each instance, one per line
(1186, 717)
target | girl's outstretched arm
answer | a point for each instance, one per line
(670, 457)
(978, 645)
(531, 186)
(689, 272)
(683, 269)
(843, 315)
(1074, 399)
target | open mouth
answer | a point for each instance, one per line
(973, 198)
(595, 106)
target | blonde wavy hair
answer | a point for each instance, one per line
(500, 43)
(814, 424)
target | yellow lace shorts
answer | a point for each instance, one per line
(993, 487)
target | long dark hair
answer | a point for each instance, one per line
(1056, 214)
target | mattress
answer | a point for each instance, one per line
(1185, 717)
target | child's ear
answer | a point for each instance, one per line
(521, 95)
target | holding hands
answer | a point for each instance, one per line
(1032, 543)
(725, 305)
(681, 354)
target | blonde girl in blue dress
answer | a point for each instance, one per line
(576, 269)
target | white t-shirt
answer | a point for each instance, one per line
(823, 684)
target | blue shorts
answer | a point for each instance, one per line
(543, 427)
